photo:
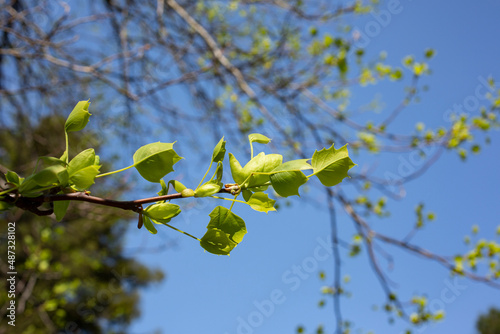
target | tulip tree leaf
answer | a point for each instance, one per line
(217, 242)
(78, 118)
(60, 208)
(259, 201)
(13, 178)
(148, 224)
(288, 183)
(236, 169)
(155, 160)
(179, 187)
(224, 231)
(83, 159)
(258, 138)
(162, 212)
(208, 189)
(219, 151)
(84, 177)
(331, 165)
(48, 176)
(262, 163)
(288, 177)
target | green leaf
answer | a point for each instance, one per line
(262, 163)
(60, 208)
(258, 138)
(154, 161)
(5, 206)
(261, 202)
(53, 161)
(208, 189)
(294, 165)
(288, 183)
(224, 231)
(85, 177)
(246, 194)
(289, 178)
(162, 212)
(179, 187)
(78, 118)
(218, 172)
(82, 160)
(236, 170)
(13, 178)
(164, 188)
(149, 224)
(216, 241)
(219, 151)
(48, 176)
(331, 165)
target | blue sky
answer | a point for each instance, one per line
(257, 289)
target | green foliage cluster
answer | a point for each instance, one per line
(154, 161)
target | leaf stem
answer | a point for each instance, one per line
(114, 172)
(8, 190)
(229, 199)
(189, 235)
(204, 176)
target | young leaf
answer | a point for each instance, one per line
(224, 231)
(288, 177)
(258, 138)
(149, 224)
(83, 159)
(60, 208)
(331, 165)
(162, 212)
(84, 178)
(262, 163)
(261, 202)
(48, 176)
(208, 189)
(236, 170)
(179, 187)
(164, 188)
(216, 241)
(13, 178)
(154, 161)
(218, 172)
(78, 118)
(219, 151)
(288, 183)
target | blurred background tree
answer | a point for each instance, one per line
(288, 69)
(73, 276)
(489, 323)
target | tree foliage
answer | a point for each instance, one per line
(489, 323)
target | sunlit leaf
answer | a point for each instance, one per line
(148, 224)
(259, 201)
(219, 151)
(224, 231)
(208, 189)
(162, 212)
(331, 165)
(236, 169)
(83, 159)
(78, 118)
(84, 177)
(155, 160)
(288, 183)
(258, 138)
